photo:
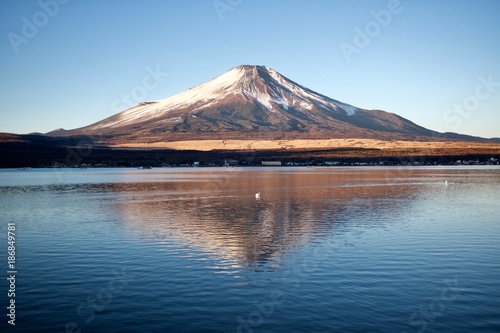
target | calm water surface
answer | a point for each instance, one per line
(193, 250)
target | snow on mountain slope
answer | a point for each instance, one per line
(247, 101)
(260, 83)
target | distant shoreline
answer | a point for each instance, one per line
(335, 152)
(472, 166)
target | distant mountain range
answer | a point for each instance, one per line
(251, 102)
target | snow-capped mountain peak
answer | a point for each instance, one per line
(259, 83)
(247, 99)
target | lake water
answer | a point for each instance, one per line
(193, 250)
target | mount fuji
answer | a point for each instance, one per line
(248, 102)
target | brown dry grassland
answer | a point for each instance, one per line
(234, 145)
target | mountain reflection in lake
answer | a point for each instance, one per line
(220, 215)
(322, 250)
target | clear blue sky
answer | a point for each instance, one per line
(428, 61)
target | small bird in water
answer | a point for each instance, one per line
(257, 195)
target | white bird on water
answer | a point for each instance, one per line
(257, 195)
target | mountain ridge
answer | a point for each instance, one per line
(246, 102)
